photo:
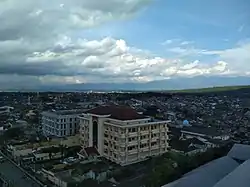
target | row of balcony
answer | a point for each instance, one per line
(144, 132)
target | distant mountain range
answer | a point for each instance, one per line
(170, 84)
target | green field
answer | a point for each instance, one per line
(211, 89)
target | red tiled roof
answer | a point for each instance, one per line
(91, 151)
(117, 112)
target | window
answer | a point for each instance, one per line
(132, 139)
(61, 126)
(106, 143)
(131, 148)
(143, 145)
(132, 130)
(144, 137)
(153, 143)
(65, 126)
(64, 132)
(123, 131)
(70, 119)
(70, 125)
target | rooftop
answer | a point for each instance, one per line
(91, 151)
(69, 141)
(117, 112)
(240, 152)
(238, 177)
(209, 174)
(65, 112)
(222, 172)
(209, 131)
(71, 173)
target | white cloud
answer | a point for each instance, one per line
(39, 45)
(79, 60)
(191, 51)
(191, 65)
(167, 42)
(236, 58)
(241, 28)
(186, 42)
(114, 58)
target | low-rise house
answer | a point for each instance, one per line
(25, 150)
(89, 153)
(66, 175)
(205, 132)
(189, 146)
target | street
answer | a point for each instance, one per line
(14, 174)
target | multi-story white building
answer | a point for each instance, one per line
(61, 123)
(122, 135)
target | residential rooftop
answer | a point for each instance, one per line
(209, 131)
(69, 141)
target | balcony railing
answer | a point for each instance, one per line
(133, 134)
(144, 132)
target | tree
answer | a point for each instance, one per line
(171, 165)
(161, 173)
(13, 133)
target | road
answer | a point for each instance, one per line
(18, 177)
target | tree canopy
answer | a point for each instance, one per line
(172, 165)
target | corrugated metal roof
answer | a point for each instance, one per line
(208, 174)
(240, 152)
(222, 172)
(172, 184)
(239, 177)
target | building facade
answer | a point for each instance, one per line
(122, 135)
(61, 123)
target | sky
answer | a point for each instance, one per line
(62, 42)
